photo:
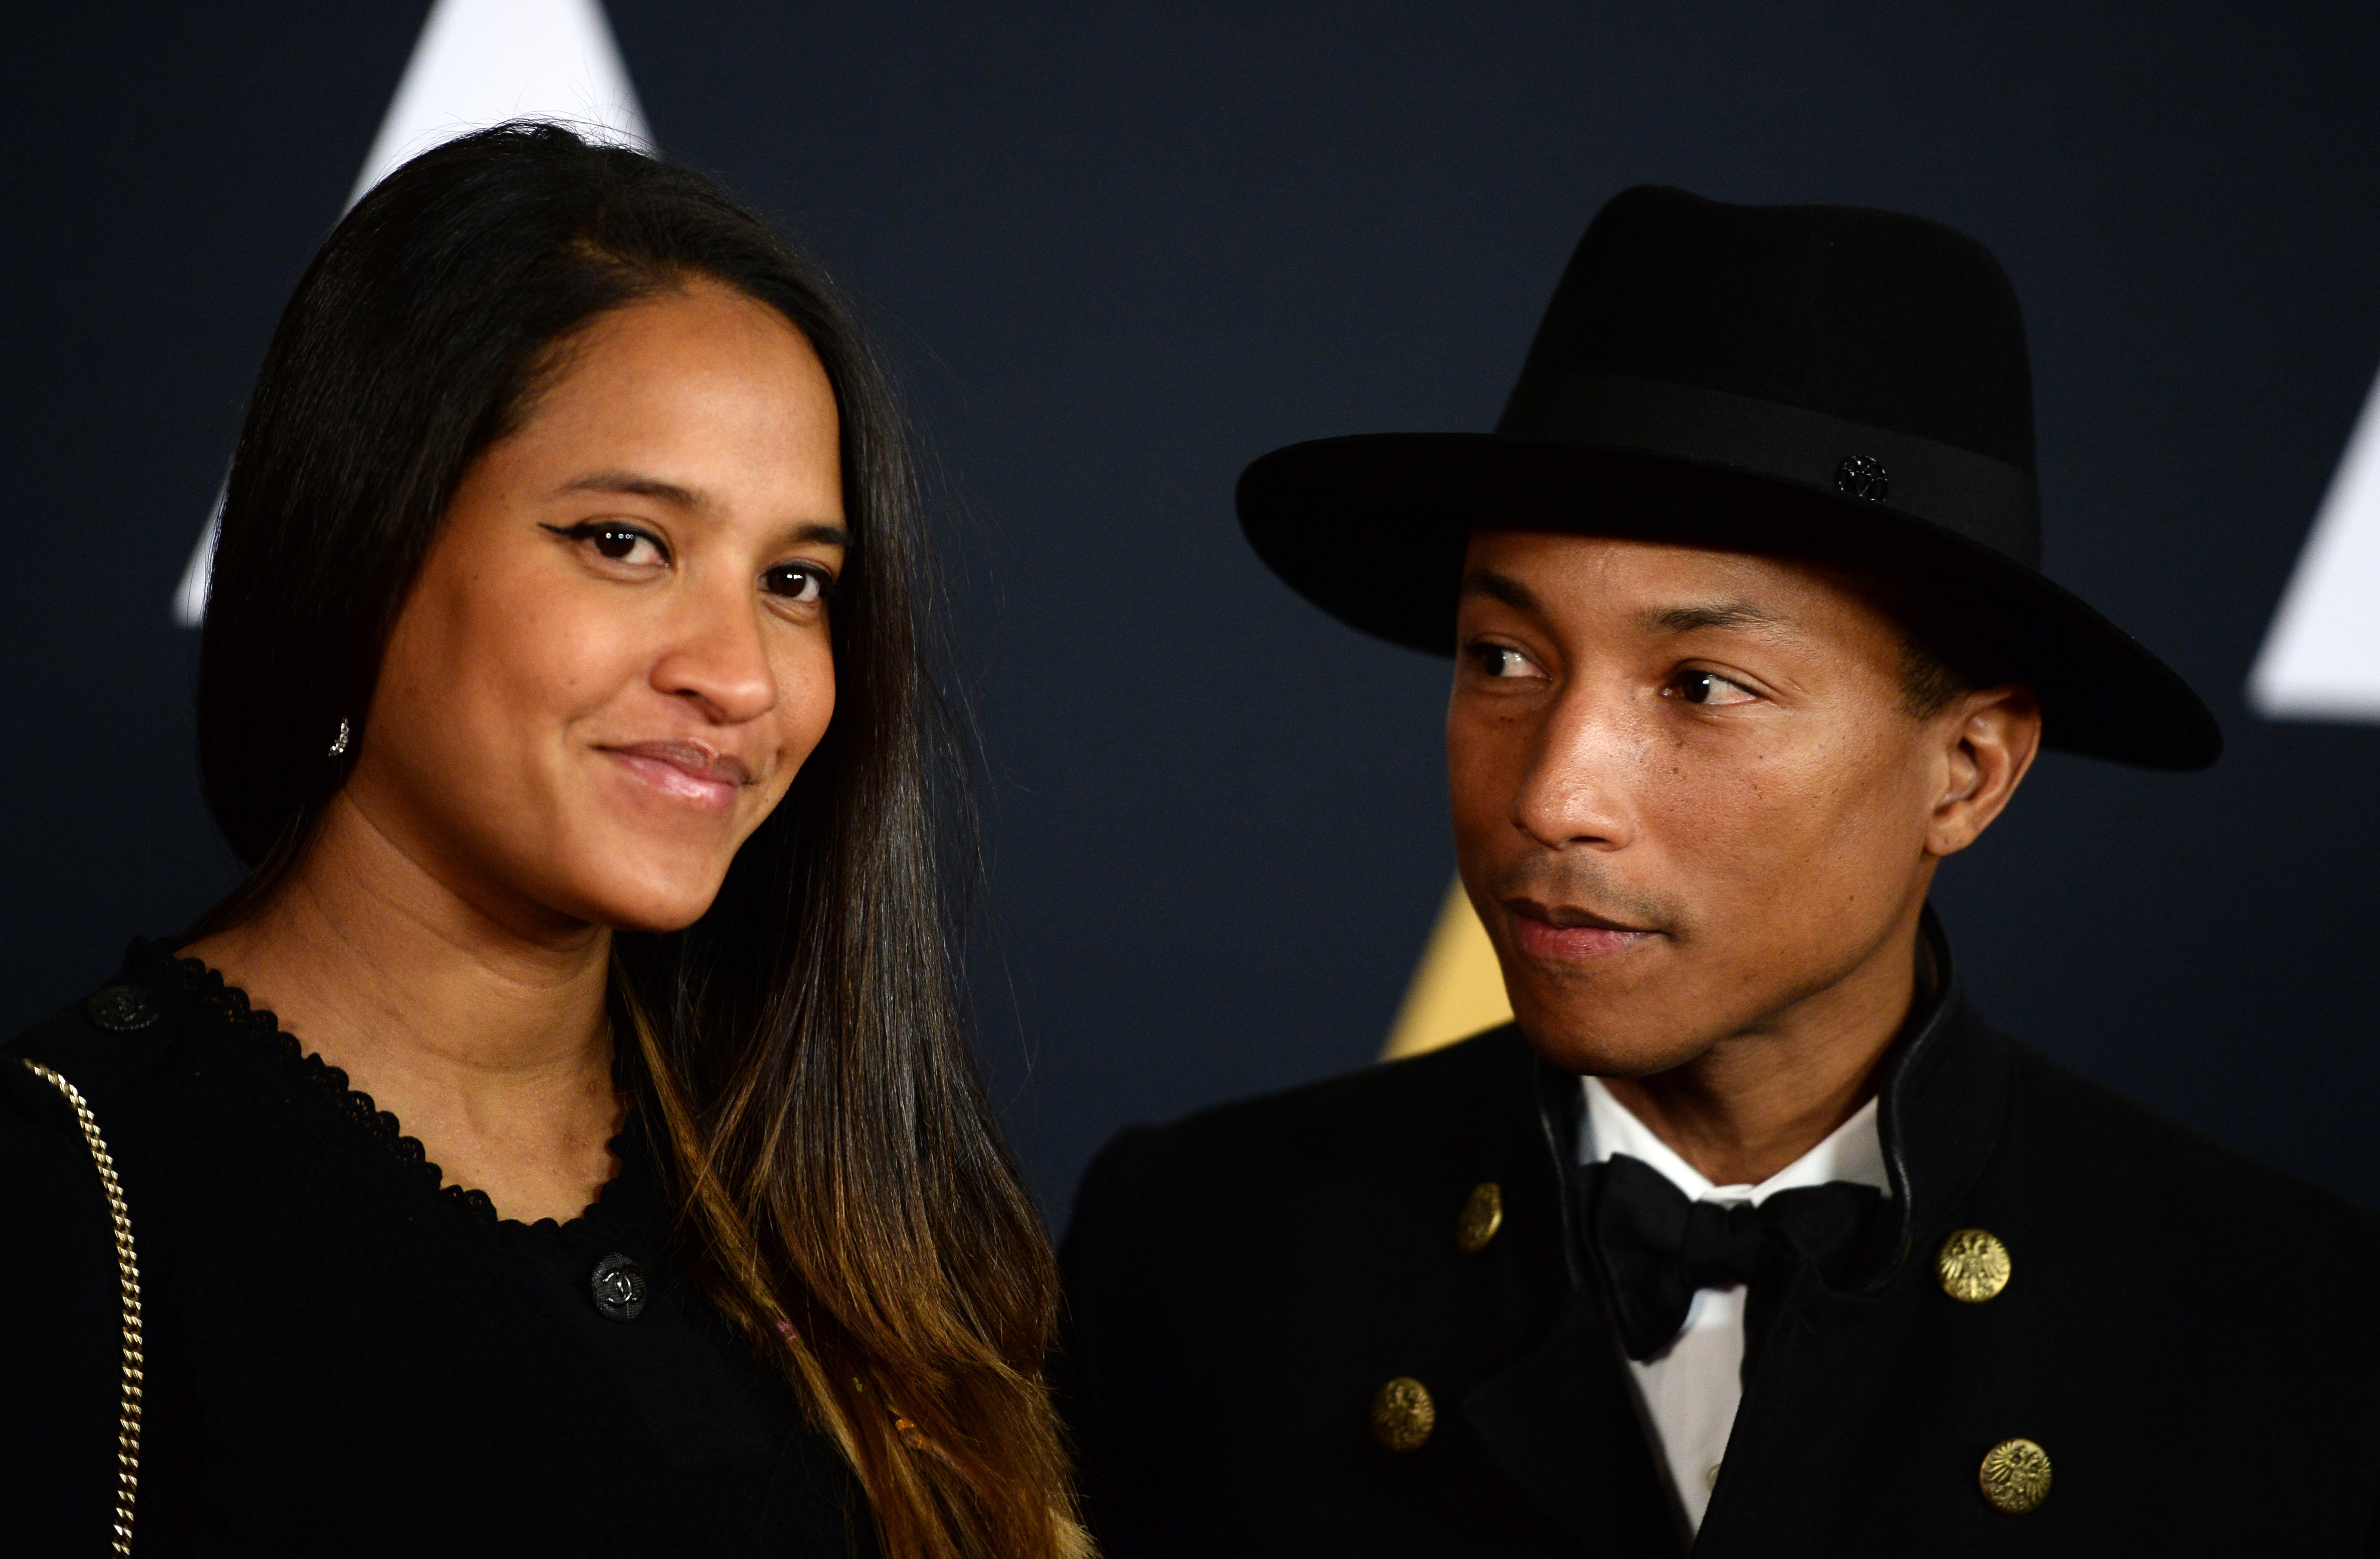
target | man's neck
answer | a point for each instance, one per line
(487, 1039)
(1756, 1101)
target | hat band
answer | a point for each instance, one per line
(1982, 498)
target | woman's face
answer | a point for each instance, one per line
(616, 655)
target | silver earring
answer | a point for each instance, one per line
(339, 742)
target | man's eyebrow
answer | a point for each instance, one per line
(1718, 614)
(1501, 587)
(640, 486)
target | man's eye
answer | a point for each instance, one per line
(1708, 687)
(797, 584)
(1500, 661)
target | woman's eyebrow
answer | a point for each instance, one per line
(830, 533)
(638, 486)
(824, 532)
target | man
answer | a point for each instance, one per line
(1750, 1236)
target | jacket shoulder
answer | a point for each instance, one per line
(90, 1050)
(55, 1221)
(101, 1043)
(1268, 1176)
(1385, 1111)
(2129, 1155)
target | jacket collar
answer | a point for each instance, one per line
(1941, 1098)
(1561, 1418)
(1940, 1105)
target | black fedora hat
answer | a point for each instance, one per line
(1816, 380)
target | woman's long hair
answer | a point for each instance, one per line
(799, 1057)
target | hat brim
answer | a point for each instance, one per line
(1372, 529)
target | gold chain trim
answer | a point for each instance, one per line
(127, 1277)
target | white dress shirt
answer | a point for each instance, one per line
(1690, 1392)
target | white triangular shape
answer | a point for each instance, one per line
(479, 63)
(482, 62)
(2320, 659)
(191, 595)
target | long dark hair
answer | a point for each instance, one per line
(799, 1057)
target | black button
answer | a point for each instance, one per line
(1863, 475)
(123, 1008)
(618, 1283)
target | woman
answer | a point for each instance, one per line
(566, 1134)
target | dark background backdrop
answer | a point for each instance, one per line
(1120, 250)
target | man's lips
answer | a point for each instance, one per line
(686, 771)
(1565, 934)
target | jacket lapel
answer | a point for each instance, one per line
(1564, 1420)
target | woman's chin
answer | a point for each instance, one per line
(654, 902)
(652, 925)
(657, 916)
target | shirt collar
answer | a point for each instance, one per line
(1853, 1151)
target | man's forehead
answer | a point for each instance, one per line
(1661, 586)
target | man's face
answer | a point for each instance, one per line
(1688, 793)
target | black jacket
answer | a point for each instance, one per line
(2189, 1337)
(342, 1357)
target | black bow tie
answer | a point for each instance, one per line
(1653, 1246)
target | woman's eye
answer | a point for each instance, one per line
(615, 542)
(1708, 687)
(797, 584)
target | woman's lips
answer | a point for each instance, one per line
(686, 771)
(1536, 937)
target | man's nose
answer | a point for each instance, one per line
(1574, 791)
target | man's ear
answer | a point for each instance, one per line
(1989, 738)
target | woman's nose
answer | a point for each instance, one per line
(718, 659)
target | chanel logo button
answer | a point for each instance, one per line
(1973, 1266)
(2015, 1476)
(1402, 1414)
(123, 1008)
(1483, 1214)
(1862, 476)
(618, 1285)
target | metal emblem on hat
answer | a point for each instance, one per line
(1862, 476)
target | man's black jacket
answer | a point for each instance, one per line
(2189, 1337)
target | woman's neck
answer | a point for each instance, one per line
(485, 1038)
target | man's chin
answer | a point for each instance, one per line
(1597, 1046)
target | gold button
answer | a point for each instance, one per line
(1973, 1266)
(1483, 1214)
(1402, 1414)
(2015, 1476)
